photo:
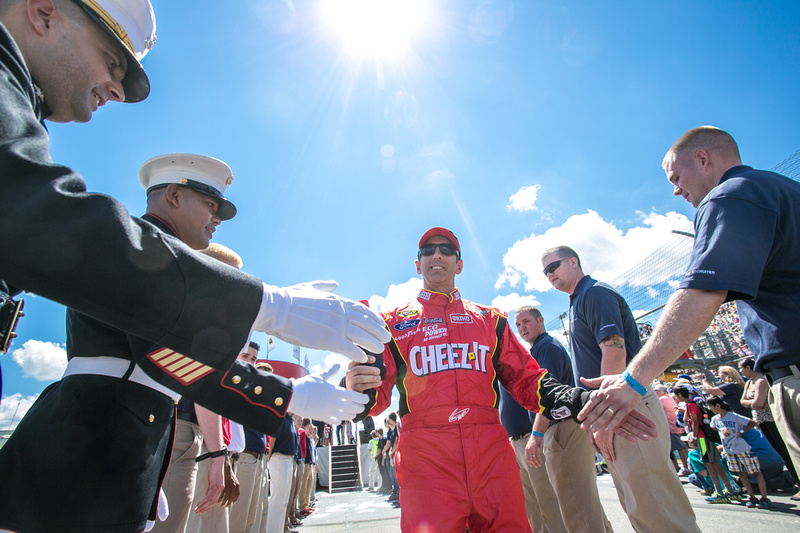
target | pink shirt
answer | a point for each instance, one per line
(669, 409)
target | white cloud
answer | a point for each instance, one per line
(14, 406)
(511, 302)
(396, 296)
(44, 361)
(525, 199)
(606, 251)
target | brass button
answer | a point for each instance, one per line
(151, 418)
(278, 401)
(236, 380)
(258, 390)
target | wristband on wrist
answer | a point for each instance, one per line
(211, 455)
(537, 434)
(635, 385)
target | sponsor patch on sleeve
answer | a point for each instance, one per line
(180, 367)
(561, 413)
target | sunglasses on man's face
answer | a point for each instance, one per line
(552, 267)
(444, 248)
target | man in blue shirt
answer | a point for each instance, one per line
(603, 340)
(541, 502)
(746, 248)
(559, 450)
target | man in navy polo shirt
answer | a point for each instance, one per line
(603, 340)
(559, 448)
(746, 248)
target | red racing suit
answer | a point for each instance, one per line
(454, 463)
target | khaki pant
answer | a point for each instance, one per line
(215, 520)
(570, 465)
(244, 511)
(541, 504)
(305, 486)
(261, 518)
(784, 400)
(296, 482)
(647, 486)
(181, 475)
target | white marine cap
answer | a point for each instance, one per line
(206, 175)
(133, 24)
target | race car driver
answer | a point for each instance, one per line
(447, 357)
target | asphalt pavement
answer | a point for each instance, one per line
(368, 512)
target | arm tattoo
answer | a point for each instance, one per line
(613, 340)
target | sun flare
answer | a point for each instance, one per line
(381, 28)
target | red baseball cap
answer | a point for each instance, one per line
(440, 232)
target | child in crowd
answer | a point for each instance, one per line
(740, 458)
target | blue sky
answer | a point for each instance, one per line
(519, 125)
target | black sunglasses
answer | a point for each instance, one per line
(549, 269)
(445, 248)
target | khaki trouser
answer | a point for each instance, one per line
(243, 512)
(261, 518)
(305, 487)
(293, 499)
(215, 520)
(570, 466)
(181, 475)
(541, 504)
(784, 400)
(647, 486)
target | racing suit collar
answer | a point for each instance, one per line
(431, 296)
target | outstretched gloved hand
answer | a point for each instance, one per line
(313, 397)
(308, 315)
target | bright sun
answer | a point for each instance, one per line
(382, 28)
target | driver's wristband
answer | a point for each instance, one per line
(635, 385)
(537, 434)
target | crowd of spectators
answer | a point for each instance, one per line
(720, 429)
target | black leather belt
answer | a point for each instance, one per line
(521, 436)
(189, 417)
(774, 374)
(257, 455)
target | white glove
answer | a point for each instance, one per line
(308, 315)
(162, 510)
(313, 397)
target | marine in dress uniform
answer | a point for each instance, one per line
(85, 251)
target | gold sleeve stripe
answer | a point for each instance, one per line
(180, 367)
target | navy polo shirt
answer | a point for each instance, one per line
(597, 311)
(747, 241)
(549, 354)
(515, 419)
(286, 438)
(254, 441)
